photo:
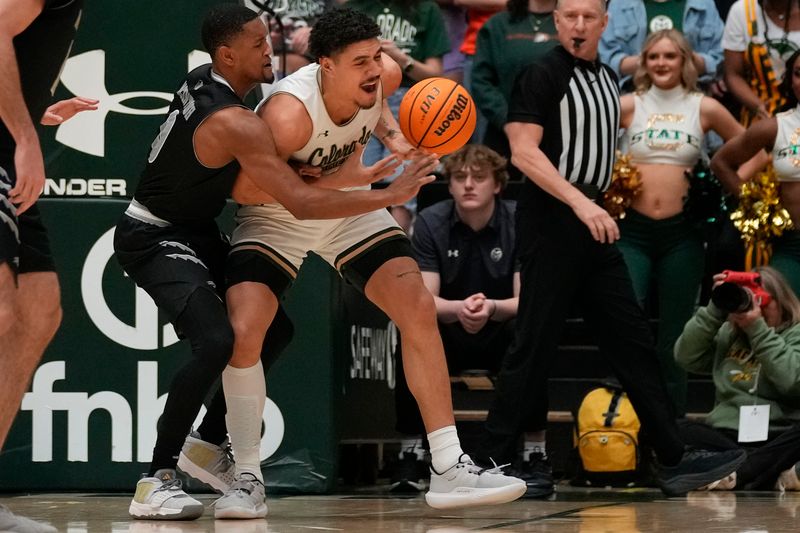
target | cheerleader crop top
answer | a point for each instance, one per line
(786, 149)
(666, 127)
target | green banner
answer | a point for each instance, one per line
(89, 420)
(130, 56)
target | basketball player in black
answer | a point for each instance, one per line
(169, 243)
(35, 38)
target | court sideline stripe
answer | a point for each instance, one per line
(560, 514)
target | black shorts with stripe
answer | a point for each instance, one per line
(172, 262)
(24, 243)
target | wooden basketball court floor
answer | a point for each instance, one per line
(572, 510)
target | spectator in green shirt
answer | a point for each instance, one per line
(754, 358)
(507, 43)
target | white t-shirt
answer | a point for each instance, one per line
(736, 39)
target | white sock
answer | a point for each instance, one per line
(445, 448)
(245, 395)
(412, 446)
(532, 447)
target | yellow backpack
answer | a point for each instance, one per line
(607, 438)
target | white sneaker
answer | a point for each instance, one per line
(161, 498)
(211, 464)
(467, 485)
(789, 479)
(245, 499)
(14, 522)
(726, 483)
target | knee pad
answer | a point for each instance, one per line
(205, 323)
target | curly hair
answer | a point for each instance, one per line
(641, 79)
(223, 23)
(786, 83)
(339, 28)
(478, 156)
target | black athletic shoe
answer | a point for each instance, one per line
(536, 473)
(538, 476)
(697, 469)
(410, 475)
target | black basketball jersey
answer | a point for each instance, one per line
(41, 49)
(176, 186)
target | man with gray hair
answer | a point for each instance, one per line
(562, 127)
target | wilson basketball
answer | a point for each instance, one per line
(437, 115)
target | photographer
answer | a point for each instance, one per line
(752, 350)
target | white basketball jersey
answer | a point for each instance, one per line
(330, 144)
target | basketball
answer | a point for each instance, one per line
(437, 115)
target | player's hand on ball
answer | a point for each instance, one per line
(416, 174)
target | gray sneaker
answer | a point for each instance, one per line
(245, 499)
(209, 463)
(466, 485)
(162, 498)
(19, 524)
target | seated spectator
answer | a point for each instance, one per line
(413, 34)
(630, 21)
(754, 358)
(465, 250)
(757, 41)
(507, 43)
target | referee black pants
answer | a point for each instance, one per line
(562, 264)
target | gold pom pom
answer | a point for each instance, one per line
(760, 216)
(625, 186)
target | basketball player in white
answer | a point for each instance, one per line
(323, 115)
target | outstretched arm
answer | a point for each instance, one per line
(63, 110)
(248, 139)
(15, 16)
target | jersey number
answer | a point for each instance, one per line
(161, 138)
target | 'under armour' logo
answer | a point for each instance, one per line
(84, 74)
(452, 253)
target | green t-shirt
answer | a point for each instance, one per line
(504, 49)
(664, 15)
(419, 31)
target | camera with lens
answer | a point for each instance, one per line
(737, 293)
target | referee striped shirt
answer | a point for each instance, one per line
(577, 104)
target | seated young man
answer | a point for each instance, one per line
(465, 250)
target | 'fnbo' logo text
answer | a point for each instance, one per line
(48, 395)
(84, 75)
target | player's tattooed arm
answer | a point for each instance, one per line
(388, 132)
